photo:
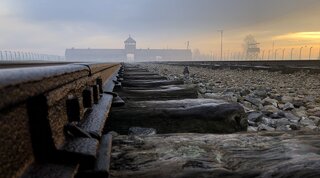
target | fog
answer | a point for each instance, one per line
(51, 27)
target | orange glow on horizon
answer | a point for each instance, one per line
(299, 35)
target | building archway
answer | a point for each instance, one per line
(130, 57)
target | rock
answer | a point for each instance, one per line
(212, 96)
(294, 127)
(280, 105)
(264, 127)
(247, 104)
(314, 111)
(286, 99)
(282, 122)
(251, 123)
(261, 93)
(307, 122)
(288, 106)
(269, 101)
(202, 90)
(268, 122)
(312, 127)
(255, 101)
(283, 128)
(201, 85)
(311, 106)
(315, 119)
(270, 109)
(229, 96)
(245, 92)
(255, 116)
(217, 90)
(292, 117)
(252, 129)
(276, 97)
(139, 131)
(232, 90)
(297, 103)
(301, 112)
(291, 90)
(317, 113)
(309, 99)
(277, 115)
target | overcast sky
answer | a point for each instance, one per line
(51, 26)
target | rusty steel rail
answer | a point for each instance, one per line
(52, 117)
(22, 64)
(287, 66)
(252, 63)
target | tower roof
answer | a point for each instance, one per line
(130, 40)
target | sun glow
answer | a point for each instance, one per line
(300, 35)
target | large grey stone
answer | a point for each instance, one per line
(292, 117)
(255, 101)
(264, 127)
(288, 106)
(269, 101)
(307, 122)
(270, 109)
(255, 116)
(282, 122)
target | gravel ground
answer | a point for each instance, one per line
(272, 100)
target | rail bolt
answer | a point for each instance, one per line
(96, 94)
(87, 96)
(73, 109)
(100, 83)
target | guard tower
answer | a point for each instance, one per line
(130, 46)
(253, 51)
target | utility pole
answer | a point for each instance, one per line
(283, 53)
(221, 55)
(188, 43)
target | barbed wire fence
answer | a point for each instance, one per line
(264, 54)
(28, 56)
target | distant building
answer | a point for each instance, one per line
(130, 53)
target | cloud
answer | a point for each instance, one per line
(142, 15)
(52, 26)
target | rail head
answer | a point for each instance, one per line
(18, 84)
(37, 103)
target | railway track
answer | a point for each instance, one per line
(287, 66)
(60, 120)
(54, 118)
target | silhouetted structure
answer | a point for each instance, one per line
(129, 53)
